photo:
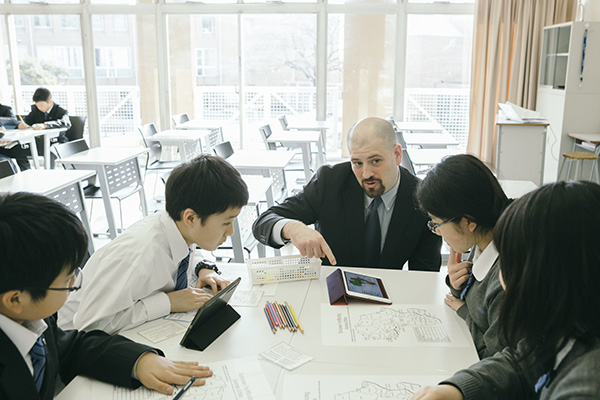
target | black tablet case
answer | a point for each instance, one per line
(211, 320)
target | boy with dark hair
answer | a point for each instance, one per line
(34, 285)
(44, 114)
(143, 274)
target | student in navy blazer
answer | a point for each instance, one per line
(336, 200)
(34, 285)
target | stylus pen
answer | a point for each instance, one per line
(185, 388)
(269, 320)
(296, 318)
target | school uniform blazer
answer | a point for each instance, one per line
(58, 117)
(334, 201)
(69, 353)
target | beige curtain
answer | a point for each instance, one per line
(506, 51)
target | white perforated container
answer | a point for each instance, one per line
(283, 269)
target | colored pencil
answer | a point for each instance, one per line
(296, 318)
(285, 324)
(269, 320)
(274, 313)
(288, 314)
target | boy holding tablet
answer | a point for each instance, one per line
(142, 274)
(34, 285)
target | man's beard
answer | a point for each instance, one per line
(375, 191)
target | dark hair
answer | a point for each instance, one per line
(39, 239)
(41, 94)
(462, 185)
(207, 184)
(550, 263)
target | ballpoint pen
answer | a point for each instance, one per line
(185, 388)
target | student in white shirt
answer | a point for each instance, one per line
(42, 245)
(464, 201)
(133, 279)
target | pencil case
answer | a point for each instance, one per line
(283, 269)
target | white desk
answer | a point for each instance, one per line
(189, 142)
(300, 124)
(515, 189)
(589, 142)
(27, 136)
(198, 124)
(416, 127)
(60, 185)
(430, 140)
(430, 157)
(251, 335)
(302, 140)
(116, 168)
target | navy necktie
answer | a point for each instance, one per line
(372, 234)
(465, 288)
(181, 282)
(38, 359)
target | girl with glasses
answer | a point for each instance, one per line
(548, 244)
(464, 201)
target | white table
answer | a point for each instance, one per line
(302, 140)
(300, 124)
(251, 335)
(27, 136)
(198, 124)
(430, 140)
(116, 168)
(430, 157)
(189, 142)
(416, 127)
(515, 189)
(63, 186)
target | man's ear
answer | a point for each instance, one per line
(188, 217)
(12, 301)
(398, 153)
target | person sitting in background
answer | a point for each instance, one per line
(464, 201)
(34, 285)
(549, 259)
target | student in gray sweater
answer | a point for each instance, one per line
(550, 257)
(464, 200)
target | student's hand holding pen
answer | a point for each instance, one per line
(22, 124)
(458, 271)
(159, 373)
(187, 299)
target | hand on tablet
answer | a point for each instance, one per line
(187, 299)
(208, 277)
(310, 242)
(458, 271)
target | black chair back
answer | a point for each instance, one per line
(180, 118)
(155, 148)
(284, 122)
(224, 149)
(76, 130)
(68, 149)
(6, 168)
(266, 132)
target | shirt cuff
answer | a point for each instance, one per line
(157, 305)
(276, 232)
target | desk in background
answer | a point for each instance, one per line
(60, 185)
(251, 335)
(302, 139)
(419, 127)
(589, 142)
(189, 142)
(430, 140)
(116, 168)
(301, 124)
(197, 124)
(27, 136)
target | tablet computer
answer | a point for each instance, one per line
(365, 287)
(212, 319)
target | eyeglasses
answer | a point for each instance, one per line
(433, 226)
(74, 283)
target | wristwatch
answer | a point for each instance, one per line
(206, 264)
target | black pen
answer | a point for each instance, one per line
(185, 388)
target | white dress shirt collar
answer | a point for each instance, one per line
(175, 239)
(22, 336)
(483, 261)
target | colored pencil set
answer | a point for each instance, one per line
(282, 316)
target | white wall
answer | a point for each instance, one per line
(592, 10)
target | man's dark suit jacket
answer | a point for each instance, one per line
(58, 117)
(333, 200)
(69, 353)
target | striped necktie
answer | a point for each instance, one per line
(465, 288)
(181, 282)
(373, 234)
(38, 359)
